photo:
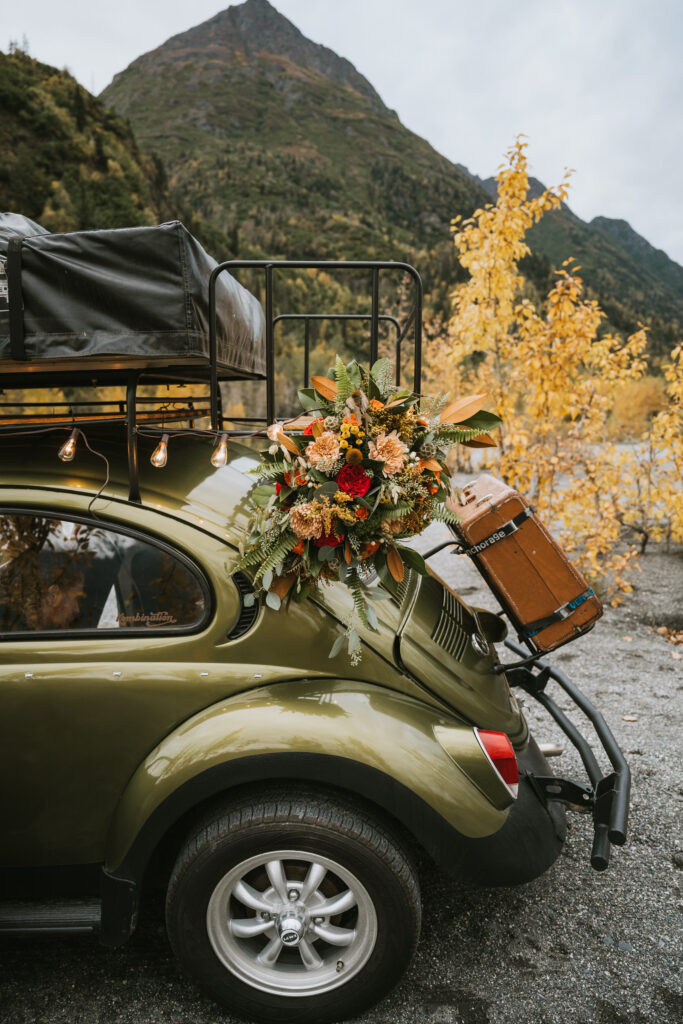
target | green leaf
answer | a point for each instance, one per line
(376, 594)
(354, 371)
(382, 374)
(273, 601)
(248, 600)
(413, 559)
(309, 398)
(371, 617)
(482, 420)
(267, 579)
(326, 553)
(337, 646)
(329, 487)
(262, 494)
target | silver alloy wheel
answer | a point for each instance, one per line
(291, 923)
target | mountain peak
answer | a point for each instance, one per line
(251, 32)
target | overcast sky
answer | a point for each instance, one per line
(596, 85)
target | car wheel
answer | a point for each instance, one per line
(294, 907)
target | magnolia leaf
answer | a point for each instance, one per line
(395, 564)
(273, 601)
(317, 428)
(413, 559)
(383, 572)
(262, 494)
(337, 646)
(326, 553)
(353, 370)
(481, 441)
(287, 442)
(399, 399)
(432, 464)
(308, 398)
(483, 420)
(267, 579)
(329, 487)
(348, 551)
(457, 411)
(325, 387)
(281, 585)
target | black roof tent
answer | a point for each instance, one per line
(147, 305)
(88, 305)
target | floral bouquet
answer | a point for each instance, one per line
(333, 502)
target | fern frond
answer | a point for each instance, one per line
(277, 553)
(451, 435)
(250, 558)
(444, 515)
(356, 587)
(268, 470)
(345, 386)
(395, 511)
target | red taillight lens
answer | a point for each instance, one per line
(501, 755)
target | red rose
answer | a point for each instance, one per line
(326, 541)
(354, 480)
(309, 428)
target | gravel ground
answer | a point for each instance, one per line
(574, 944)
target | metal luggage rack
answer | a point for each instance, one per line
(606, 796)
(194, 407)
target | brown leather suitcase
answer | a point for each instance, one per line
(547, 599)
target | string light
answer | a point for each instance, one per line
(68, 449)
(160, 453)
(220, 453)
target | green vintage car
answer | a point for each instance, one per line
(160, 727)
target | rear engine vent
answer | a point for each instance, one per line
(247, 616)
(448, 632)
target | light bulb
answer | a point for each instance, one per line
(160, 453)
(220, 453)
(68, 449)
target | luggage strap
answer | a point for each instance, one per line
(16, 303)
(500, 533)
(563, 612)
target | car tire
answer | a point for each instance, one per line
(294, 906)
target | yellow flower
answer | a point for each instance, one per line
(354, 456)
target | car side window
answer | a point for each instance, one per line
(59, 575)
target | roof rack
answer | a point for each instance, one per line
(101, 371)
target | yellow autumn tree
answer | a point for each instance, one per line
(553, 377)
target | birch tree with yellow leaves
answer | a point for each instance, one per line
(553, 376)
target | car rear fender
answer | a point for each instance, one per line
(376, 742)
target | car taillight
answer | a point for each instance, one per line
(500, 753)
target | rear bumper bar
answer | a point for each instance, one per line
(606, 796)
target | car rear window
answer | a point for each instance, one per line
(59, 575)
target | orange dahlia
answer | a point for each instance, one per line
(391, 450)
